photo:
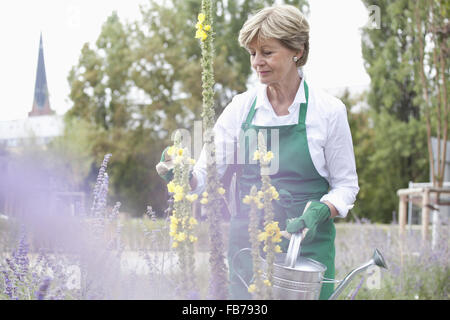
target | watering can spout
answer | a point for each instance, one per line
(377, 260)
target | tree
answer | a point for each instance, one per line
(399, 135)
(432, 28)
(100, 90)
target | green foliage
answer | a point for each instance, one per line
(389, 61)
(389, 153)
(396, 157)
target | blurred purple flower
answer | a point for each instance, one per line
(357, 288)
(8, 285)
(99, 185)
(40, 294)
(150, 213)
(193, 295)
(103, 195)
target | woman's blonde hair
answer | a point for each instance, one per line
(285, 23)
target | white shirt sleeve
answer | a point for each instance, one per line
(340, 161)
(225, 130)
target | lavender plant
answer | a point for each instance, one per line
(43, 288)
(156, 255)
(24, 280)
(101, 187)
(416, 271)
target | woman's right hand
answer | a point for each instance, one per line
(165, 166)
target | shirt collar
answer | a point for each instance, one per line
(263, 101)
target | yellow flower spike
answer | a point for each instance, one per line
(180, 151)
(262, 236)
(192, 197)
(179, 189)
(252, 288)
(204, 201)
(178, 159)
(171, 150)
(277, 249)
(174, 244)
(199, 26)
(276, 239)
(174, 220)
(207, 27)
(275, 195)
(267, 283)
(256, 155)
(178, 196)
(171, 187)
(203, 35)
(268, 156)
(193, 239)
(173, 229)
(260, 194)
(205, 194)
(198, 34)
(192, 161)
(247, 199)
(180, 237)
(221, 191)
(193, 221)
(201, 17)
(260, 206)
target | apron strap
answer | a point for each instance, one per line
(251, 114)
(303, 106)
(301, 113)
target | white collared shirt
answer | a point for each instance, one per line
(328, 132)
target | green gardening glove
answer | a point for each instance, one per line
(165, 166)
(316, 213)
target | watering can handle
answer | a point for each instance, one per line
(234, 270)
(294, 245)
(329, 280)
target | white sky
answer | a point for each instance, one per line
(335, 59)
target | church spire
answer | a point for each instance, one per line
(41, 104)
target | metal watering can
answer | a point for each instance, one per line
(300, 278)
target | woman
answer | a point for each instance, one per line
(316, 160)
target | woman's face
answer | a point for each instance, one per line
(272, 61)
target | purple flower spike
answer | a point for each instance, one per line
(40, 294)
(99, 185)
(8, 285)
(193, 295)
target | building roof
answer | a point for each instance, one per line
(41, 103)
(42, 128)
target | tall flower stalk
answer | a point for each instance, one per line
(218, 285)
(182, 221)
(257, 286)
(271, 235)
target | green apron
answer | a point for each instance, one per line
(297, 182)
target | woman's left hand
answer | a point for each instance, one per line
(316, 213)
